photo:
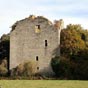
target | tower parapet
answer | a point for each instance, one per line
(59, 24)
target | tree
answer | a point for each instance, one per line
(72, 64)
(4, 50)
(71, 41)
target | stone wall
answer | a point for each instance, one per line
(26, 44)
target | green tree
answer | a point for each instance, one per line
(4, 50)
(71, 41)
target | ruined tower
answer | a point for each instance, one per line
(59, 25)
(35, 38)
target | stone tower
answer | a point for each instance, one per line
(59, 25)
(34, 38)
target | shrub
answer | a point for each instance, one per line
(62, 67)
(4, 62)
(70, 68)
(3, 71)
(24, 69)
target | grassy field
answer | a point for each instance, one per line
(43, 84)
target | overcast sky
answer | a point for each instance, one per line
(71, 11)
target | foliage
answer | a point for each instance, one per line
(4, 47)
(24, 69)
(3, 70)
(72, 64)
(4, 51)
(54, 63)
(65, 68)
(61, 66)
(5, 37)
(71, 40)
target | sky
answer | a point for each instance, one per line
(71, 11)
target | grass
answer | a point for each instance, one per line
(43, 84)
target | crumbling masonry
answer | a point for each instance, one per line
(35, 38)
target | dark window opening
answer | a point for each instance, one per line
(36, 58)
(46, 44)
(37, 68)
(38, 26)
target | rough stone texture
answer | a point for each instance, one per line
(26, 44)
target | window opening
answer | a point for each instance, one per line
(37, 29)
(36, 58)
(37, 68)
(38, 26)
(46, 44)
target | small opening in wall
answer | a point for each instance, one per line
(46, 44)
(36, 58)
(38, 26)
(37, 68)
(37, 29)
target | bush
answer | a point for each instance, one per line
(4, 62)
(24, 69)
(65, 68)
(3, 71)
(61, 67)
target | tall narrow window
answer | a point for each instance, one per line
(37, 29)
(46, 44)
(36, 58)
